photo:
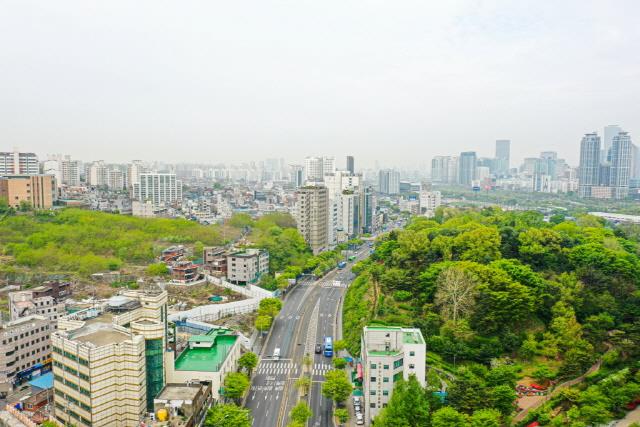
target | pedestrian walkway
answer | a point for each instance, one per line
(274, 367)
(321, 368)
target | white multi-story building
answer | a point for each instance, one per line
(389, 354)
(313, 168)
(444, 169)
(98, 174)
(388, 181)
(247, 266)
(25, 303)
(134, 169)
(159, 188)
(70, 171)
(17, 163)
(115, 179)
(108, 360)
(429, 201)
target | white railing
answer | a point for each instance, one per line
(249, 290)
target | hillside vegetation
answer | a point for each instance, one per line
(84, 242)
(488, 286)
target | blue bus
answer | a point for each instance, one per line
(328, 347)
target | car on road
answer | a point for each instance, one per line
(318, 348)
(276, 353)
(359, 419)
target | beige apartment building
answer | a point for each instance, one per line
(108, 360)
(39, 191)
(312, 216)
(24, 348)
(247, 266)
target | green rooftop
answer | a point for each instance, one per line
(207, 359)
(413, 337)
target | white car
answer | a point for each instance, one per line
(276, 354)
(356, 400)
(359, 419)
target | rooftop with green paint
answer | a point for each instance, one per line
(206, 353)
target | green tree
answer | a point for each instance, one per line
(263, 323)
(301, 413)
(456, 293)
(342, 414)
(303, 384)
(248, 361)
(502, 398)
(468, 391)
(339, 345)
(235, 385)
(228, 415)
(270, 307)
(337, 386)
(448, 417)
(408, 406)
(339, 363)
(159, 269)
(486, 418)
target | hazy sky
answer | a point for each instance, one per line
(395, 81)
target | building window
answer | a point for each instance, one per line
(374, 366)
(372, 405)
(385, 379)
(385, 392)
(373, 379)
(372, 392)
(411, 366)
(385, 366)
(412, 353)
(398, 363)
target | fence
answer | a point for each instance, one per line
(248, 290)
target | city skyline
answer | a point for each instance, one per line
(388, 82)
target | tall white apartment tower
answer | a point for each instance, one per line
(312, 216)
(159, 188)
(389, 354)
(610, 132)
(589, 169)
(620, 155)
(17, 163)
(314, 170)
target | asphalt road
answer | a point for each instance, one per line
(308, 315)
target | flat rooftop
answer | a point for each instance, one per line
(179, 392)
(99, 334)
(207, 359)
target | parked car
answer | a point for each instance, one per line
(318, 348)
(359, 419)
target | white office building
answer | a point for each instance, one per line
(389, 354)
(17, 163)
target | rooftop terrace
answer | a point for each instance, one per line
(206, 359)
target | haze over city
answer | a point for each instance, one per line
(393, 82)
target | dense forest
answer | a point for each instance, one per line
(501, 296)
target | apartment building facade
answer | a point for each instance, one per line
(312, 216)
(17, 163)
(389, 354)
(38, 191)
(247, 266)
(24, 347)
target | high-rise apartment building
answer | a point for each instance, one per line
(351, 167)
(620, 155)
(98, 174)
(389, 354)
(389, 181)
(314, 169)
(159, 188)
(589, 169)
(70, 171)
(297, 175)
(134, 169)
(38, 191)
(444, 169)
(115, 179)
(467, 168)
(503, 155)
(17, 163)
(312, 216)
(610, 132)
(108, 360)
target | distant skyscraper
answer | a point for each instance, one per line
(503, 153)
(620, 154)
(351, 165)
(609, 133)
(444, 169)
(328, 165)
(388, 181)
(588, 171)
(313, 169)
(297, 175)
(467, 167)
